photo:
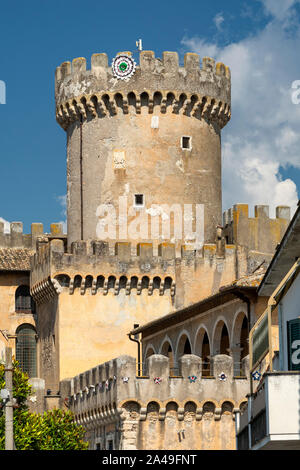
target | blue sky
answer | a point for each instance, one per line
(258, 39)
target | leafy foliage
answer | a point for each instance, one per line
(53, 430)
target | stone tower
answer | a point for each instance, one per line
(148, 133)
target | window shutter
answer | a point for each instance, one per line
(294, 344)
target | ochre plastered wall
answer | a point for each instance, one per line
(10, 319)
(93, 328)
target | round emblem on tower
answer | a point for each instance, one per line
(123, 66)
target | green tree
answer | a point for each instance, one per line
(53, 430)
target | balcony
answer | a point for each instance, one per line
(272, 418)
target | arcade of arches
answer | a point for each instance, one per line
(221, 331)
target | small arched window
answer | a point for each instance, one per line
(23, 300)
(26, 349)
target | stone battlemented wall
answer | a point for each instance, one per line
(260, 232)
(112, 395)
(82, 92)
(255, 238)
(91, 260)
(15, 238)
(92, 294)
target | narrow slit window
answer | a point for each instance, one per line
(186, 142)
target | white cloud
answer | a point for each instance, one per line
(263, 133)
(280, 9)
(63, 203)
(218, 20)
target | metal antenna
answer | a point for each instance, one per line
(139, 45)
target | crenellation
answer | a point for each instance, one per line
(170, 62)
(283, 212)
(220, 69)
(57, 246)
(134, 268)
(78, 65)
(191, 62)
(80, 92)
(116, 382)
(65, 69)
(261, 211)
(15, 238)
(79, 248)
(98, 62)
(260, 233)
(56, 229)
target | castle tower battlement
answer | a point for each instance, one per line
(261, 232)
(152, 137)
(99, 267)
(189, 89)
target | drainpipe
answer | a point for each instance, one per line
(138, 348)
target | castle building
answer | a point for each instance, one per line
(148, 267)
(270, 421)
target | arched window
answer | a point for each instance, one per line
(187, 347)
(77, 281)
(166, 350)
(244, 338)
(168, 283)
(100, 282)
(205, 356)
(202, 349)
(156, 282)
(145, 282)
(133, 282)
(221, 339)
(123, 282)
(23, 300)
(111, 282)
(224, 344)
(88, 282)
(26, 349)
(63, 279)
(184, 347)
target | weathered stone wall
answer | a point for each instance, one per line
(103, 289)
(142, 120)
(176, 413)
(255, 238)
(48, 330)
(74, 80)
(15, 238)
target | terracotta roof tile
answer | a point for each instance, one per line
(15, 259)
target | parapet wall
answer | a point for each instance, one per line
(100, 266)
(79, 91)
(260, 233)
(15, 238)
(108, 386)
